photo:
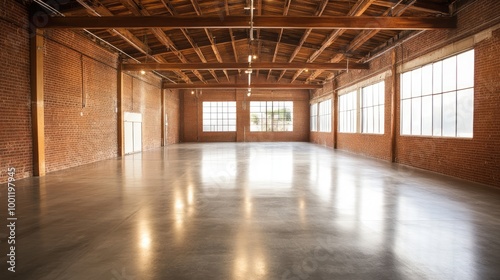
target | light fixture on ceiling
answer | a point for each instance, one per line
(143, 72)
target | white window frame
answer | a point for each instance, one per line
(443, 107)
(314, 117)
(219, 116)
(325, 115)
(372, 108)
(348, 112)
(269, 117)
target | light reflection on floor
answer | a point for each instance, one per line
(256, 211)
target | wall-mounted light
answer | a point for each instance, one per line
(143, 72)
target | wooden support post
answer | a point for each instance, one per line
(163, 120)
(119, 107)
(37, 103)
(335, 112)
(394, 85)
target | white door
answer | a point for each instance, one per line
(137, 137)
(128, 134)
(132, 132)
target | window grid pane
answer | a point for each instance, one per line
(219, 116)
(449, 110)
(271, 115)
(314, 117)
(325, 116)
(347, 112)
(372, 109)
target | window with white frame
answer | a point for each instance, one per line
(325, 116)
(348, 112)
(314, 117)
(438, 99)
(271, 115)
(219, 116)
(372, 108)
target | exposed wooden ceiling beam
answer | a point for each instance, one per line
(259, 43)
(356, 11)
(210, 37)
(241, 65)
(319, 12)
(242, 86)
(331, 22)
(286, 8)
(132, 6)
(358, 41)
(235, 52)
(420, 5)
(100, 10)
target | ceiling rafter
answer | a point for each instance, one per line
(304, 40)
(259, 42)
(101, 10)
(132, 6)
(226, 7)
(286, 8)
(357, 10)
(318, 13)
(359, 40)
(420, 5)
(198, 11)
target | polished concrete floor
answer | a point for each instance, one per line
(252, 211)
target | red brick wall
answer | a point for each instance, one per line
(476, 159)
(172, 105)
(78, 133)
(192, 116)
(142, 94)
(15, 100)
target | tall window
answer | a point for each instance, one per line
(438, 99)
(347, 112)
(271, 115)
(372, 108)
(325, 116)
(314, 117)
(219, 116)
